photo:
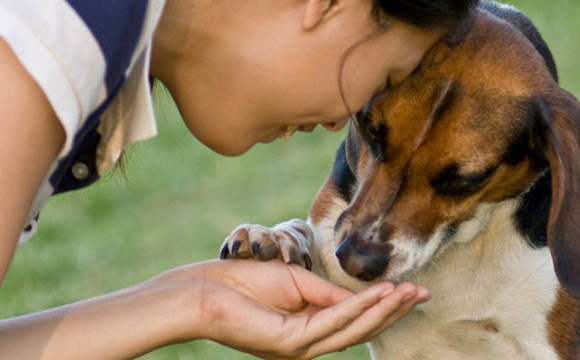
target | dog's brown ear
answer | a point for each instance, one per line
(562, 140)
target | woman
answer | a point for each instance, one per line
(75, 93)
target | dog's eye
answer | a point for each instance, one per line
(371, 134)
(450, 182)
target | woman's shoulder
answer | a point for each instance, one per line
(78, 50)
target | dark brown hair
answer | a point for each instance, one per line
(421, 13)
(424, 13)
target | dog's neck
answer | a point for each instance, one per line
(473, 277)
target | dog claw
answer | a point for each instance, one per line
(224, 253)
(282, 242)
(256, 249)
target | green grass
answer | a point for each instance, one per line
(179, 201)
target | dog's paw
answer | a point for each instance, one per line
(288, 241)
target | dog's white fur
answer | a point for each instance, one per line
(491, 292)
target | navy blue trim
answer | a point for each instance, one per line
(84, 149)
(117, 26)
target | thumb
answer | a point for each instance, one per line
(315, 290)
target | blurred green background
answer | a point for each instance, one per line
(179, 200)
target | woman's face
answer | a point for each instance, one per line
(250, 68)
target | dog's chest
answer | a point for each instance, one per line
(490, 300)
(473, 321)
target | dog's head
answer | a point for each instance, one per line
(477, 124)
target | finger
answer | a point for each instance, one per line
(316, 290)
(368, 322)
(332, 319)
(310, 309)
(421, 297)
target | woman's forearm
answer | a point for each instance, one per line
(123, 324)
(267, 309)
(30, 140)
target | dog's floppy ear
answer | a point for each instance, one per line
(562, 143)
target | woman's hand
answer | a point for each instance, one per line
(268, 309)
(274, 310)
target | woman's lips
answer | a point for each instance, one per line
(287, 132)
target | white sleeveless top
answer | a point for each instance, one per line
(91, 59)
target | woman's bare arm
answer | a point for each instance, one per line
(267, 309)
(120, 325)
(30, 139)
(117, 325)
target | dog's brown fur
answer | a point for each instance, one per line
(493, 78)
(563, 327)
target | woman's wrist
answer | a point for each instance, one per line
(124, 324)
(178, 298)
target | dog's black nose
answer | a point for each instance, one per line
(362, 260)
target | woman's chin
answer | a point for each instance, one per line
(230, 150)
(269, 140)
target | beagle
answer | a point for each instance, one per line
(465, 179)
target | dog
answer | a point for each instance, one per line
(465, 179)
